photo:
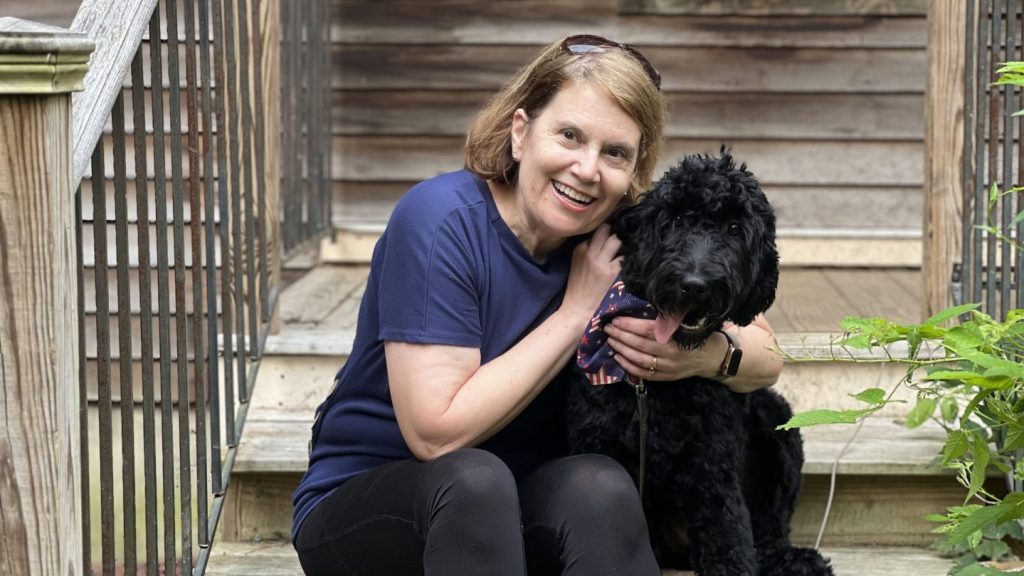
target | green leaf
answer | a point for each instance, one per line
(963, 338)
(871, 396)
(950, 313)
(949, 408)
(982, 381)
(1014, 437)
(977, 520)
(921, 412)
(993, 193)
(956, 446)
(1017, 219)
(979, 448)
(818, 417)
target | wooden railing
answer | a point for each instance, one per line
(159, 189)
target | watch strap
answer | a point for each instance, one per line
(731, 362)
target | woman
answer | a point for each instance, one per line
(439, 450)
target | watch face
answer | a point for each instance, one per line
(735, 355)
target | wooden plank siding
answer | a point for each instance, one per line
(826, 107)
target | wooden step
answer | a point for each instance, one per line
(277, 558)
(352, 243)
(887, 479)
(299, 366)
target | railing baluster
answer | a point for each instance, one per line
(1009, 107)
(326, 127)
(227, 303)
(146, 310)
(198, 325)
(124, 327)
(237, 225)
(181, 318)
(163, 297)
(104, 400)
(980, 192)
(994, 116)
(83, 389)
(967, 179)
(211, 262)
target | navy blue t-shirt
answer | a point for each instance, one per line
(447, 270)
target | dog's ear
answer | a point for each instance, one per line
(762, 295)
(766, 255)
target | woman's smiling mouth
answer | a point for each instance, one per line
(571, 195)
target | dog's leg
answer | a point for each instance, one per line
(707, 482)
(773, 480)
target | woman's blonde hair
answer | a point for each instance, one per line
(488, 150)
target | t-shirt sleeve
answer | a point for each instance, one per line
(429, 276)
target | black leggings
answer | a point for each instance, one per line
(463, 514)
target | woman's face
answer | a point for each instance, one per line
(576, 161)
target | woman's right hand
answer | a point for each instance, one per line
(595, 264)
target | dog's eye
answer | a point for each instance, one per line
(734, 229)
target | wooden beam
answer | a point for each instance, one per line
(116, 27)
(944, 132)
(40, 450)
(270, 117)
(775, 7)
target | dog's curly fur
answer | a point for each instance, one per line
(721, 482)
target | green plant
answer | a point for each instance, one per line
(970, 379)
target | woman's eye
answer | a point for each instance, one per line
(568, 134)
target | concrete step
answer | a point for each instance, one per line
(352, 242)
(277, 558)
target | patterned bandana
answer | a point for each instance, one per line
(594, 356)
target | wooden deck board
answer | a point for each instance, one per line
(808, 300)
(275, 442)
(279, 559)
(816, 299)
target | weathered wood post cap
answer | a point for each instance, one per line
(40, 59)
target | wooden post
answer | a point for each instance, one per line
(40, 455)
(944, 135)
(270, 115)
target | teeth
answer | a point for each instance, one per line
(572, 194)
(699, 325)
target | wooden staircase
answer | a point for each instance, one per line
(886, 481)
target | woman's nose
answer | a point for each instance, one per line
(586, 166)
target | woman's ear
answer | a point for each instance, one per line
(520, 127)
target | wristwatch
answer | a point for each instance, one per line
(733, 355)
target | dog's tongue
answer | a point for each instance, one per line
(665, 326)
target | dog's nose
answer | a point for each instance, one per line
(695, 289)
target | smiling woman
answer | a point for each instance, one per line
(441, 447)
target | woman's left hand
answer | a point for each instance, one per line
(642, 356)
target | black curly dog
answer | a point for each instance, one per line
(720, 482)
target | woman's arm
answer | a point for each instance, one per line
(635, 346)
(445, 399)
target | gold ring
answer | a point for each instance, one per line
(654, 364)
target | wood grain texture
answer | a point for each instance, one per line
(774, 7)
(277, 558)
(944, 144)
(537, 22)
(117, 29)
(774, 162)
(751, 70)
(40, 452)
(876, 117)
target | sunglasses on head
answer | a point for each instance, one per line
(590, 44)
